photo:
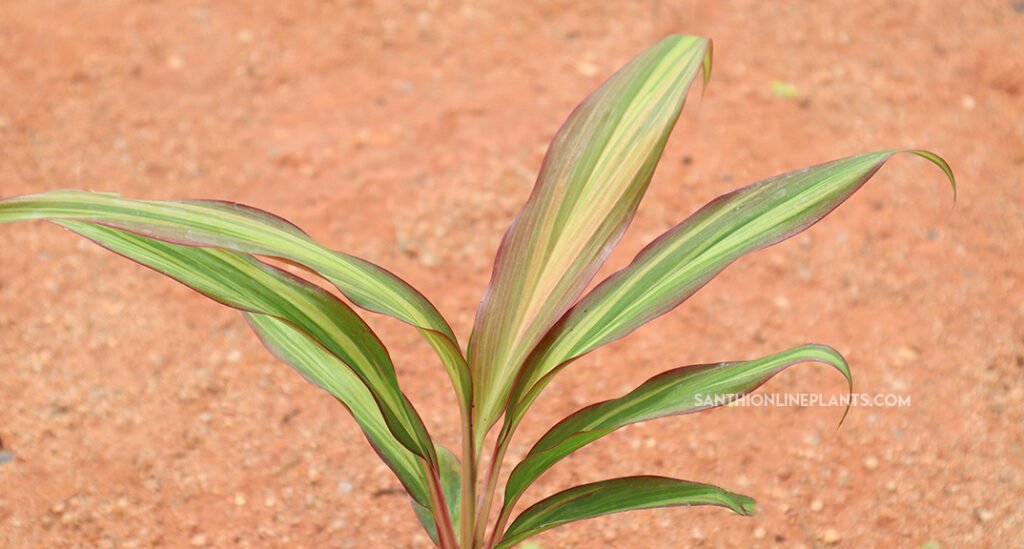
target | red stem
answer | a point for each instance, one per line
(442, 519)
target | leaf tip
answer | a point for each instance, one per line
(689, 41)
(746, 506)
(838, 361)
(706, 65)
(846, 412)
(941, 163)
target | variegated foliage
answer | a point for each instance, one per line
(534, 319)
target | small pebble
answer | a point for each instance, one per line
(335, 525)
(871, 463)
(890, 486)
(587, 69)
(817, 505)
(175, 62)
(239, 500)
(313, 475)
(830, 537)
(198, 540)
(906, 354)
(984, 515)
(760, 533)
(429, 259)
(968, 103)
(6, 457)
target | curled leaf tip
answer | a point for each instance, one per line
(834, 358)
(941, 163)
(849, 380)
(707, 65)
(846, 412)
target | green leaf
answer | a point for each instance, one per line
(451, 480)
(324, 370)
(680, 391)
(615, 496)
(327, 372)
(593, 177)
(684, 259)
(240, 228)
(239, 281)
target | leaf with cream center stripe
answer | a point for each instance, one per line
(680, 391)
(209, 223)
(244, 283)
(617, 496)
(593, 177)
(684, 259)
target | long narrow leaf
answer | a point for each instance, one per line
(231, 226)
(616, 496)
(593, 177)
(244, 283)
(684, 259)
(680, 391)
(324, 370)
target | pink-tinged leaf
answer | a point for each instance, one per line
(680, 391)
(617, 496)
(593, 177)
(688, 256)
(242, 282)
(240, 228)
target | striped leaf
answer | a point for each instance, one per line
(616, 496)
(324, 370)
(593, 177)
(239, 281)
(680, 391)
(231, 226)
(684, 259)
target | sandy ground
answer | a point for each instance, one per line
(136, 414)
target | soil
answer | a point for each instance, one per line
(133, 413)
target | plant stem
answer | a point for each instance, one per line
(506, 512)
(468, 483)
(442, 518)
(490, 486)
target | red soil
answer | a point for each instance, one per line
(139, 415)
